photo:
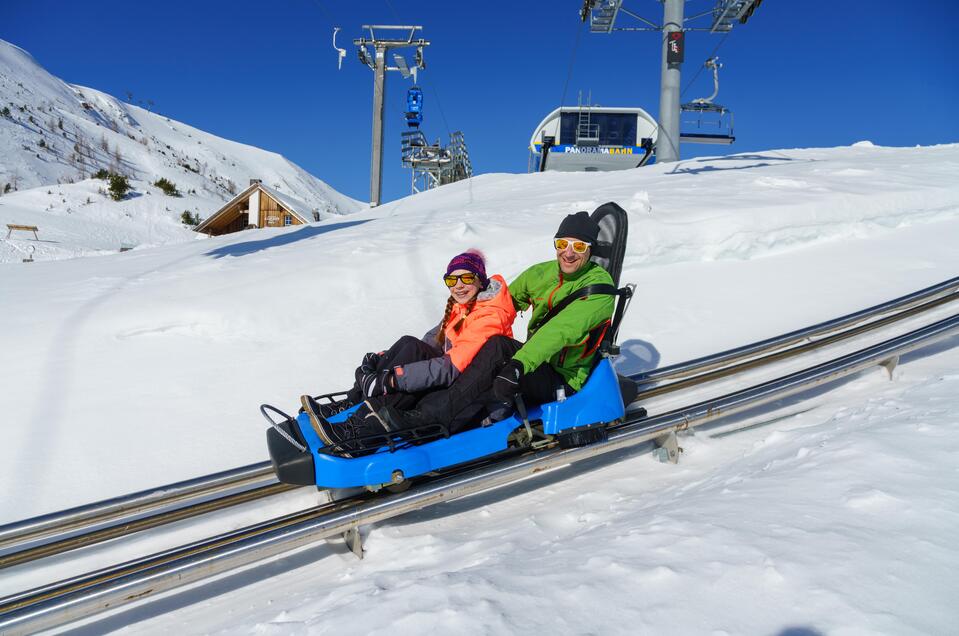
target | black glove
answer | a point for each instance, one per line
(506, 384)
(385, 382)
(366, 372)
(378, 383)
(370, 362)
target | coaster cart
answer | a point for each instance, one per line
(299, 456)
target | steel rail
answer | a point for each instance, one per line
(35, 528)
(706, 363)
(87, 595)
(173, 501)
(784, 354)
(137, 525)
(165, 516)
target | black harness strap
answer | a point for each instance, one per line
(589, 290)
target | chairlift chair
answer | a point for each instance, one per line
(707, 116)
(414, 107)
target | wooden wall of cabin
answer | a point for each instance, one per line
(236, 218)
(272, 214)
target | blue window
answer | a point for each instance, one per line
(613, 129)
(287, 220)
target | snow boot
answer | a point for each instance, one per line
(412, 424)
(329, 434)
(358, 435)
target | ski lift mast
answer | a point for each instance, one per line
(603, 15)
(372, 52)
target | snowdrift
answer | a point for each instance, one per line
(146, 367)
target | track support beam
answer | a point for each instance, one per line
(354, 541)
(890, 365)
(667, 448)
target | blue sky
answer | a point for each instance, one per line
(799, 74)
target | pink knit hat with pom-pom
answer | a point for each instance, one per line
(471, 261)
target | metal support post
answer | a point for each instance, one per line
(379, 98)
(380, 47)
(667, 145)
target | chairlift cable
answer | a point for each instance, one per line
(710, 56)
(569, 69)
(431, 86)
(325, 12)
(395, 14)
(436, 96)
(658, 128)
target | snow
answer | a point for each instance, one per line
(837, 521)
(58, 135)
(838, 516)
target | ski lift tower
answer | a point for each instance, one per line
(603, 15)
(434, 165)
(372, 52)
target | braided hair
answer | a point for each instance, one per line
(441, 332)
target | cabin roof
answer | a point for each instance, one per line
(294, 206)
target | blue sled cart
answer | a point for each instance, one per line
(300, 457)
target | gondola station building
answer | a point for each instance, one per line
(257, 206)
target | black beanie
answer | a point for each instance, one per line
(579, 226)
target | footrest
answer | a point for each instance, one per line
(386, 442)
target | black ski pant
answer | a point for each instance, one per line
(404, 351)
(470, 397)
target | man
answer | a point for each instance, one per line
(557, 356)
(560, 352)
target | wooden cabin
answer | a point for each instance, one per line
(257, 206)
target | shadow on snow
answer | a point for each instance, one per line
(763, 161)
(251, 247)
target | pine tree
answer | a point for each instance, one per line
(119, 186)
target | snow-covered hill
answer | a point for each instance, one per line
(139, 369)
(54, 136)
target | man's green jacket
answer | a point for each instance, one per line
(568, 342)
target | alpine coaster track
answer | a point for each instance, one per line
(79, 597)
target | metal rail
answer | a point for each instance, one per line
(89, 515)
(706, 363)
(173, 502)
(83, 596)
(783, 354)
(125, 528)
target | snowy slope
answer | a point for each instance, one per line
(839, 521)
(57, 135)
(143, 368)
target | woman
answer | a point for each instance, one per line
(479, 307)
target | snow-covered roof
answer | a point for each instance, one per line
(294, 206)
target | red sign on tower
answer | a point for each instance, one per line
(675, 47)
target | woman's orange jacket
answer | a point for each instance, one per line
(492, 315)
